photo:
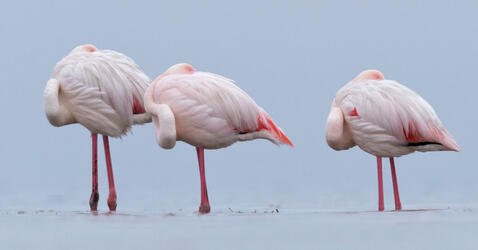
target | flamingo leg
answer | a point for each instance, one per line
(380, 184)
(94, 188)
(111, 181)
(204, 208)
(398, 205)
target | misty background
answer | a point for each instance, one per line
(290, 57)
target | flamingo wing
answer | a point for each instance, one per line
(386, 111)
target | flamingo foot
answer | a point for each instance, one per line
(112, 201)
(204, 209)
(94, 201)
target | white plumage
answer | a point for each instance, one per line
(210, 111)
(387, 119)
(98, 89)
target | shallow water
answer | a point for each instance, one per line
(227, 228)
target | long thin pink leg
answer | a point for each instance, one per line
(380, 184)
(204, 208)
(398, 205)
(94, 189)
(111, 181)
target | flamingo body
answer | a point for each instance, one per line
(210, 111)
(101, 90)
(387, 119)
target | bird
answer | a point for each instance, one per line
(103, 91)
(386, 119)
(207, 111)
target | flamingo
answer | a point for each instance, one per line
(103, 91)
(207, 111)
(385, 119)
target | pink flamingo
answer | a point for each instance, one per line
(385, 119)
(103, 91)
(207, 111)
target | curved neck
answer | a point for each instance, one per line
(164, 125)
(56, 113)
(337, 137)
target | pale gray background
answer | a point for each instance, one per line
(291, 57)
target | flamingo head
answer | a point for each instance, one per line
(370, 74)
(84, 48)
(180, 68)
(177, 69)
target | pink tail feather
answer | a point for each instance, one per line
(443, 137)
(266, 123)
(449, 142)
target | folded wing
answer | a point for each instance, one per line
(391, 111)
